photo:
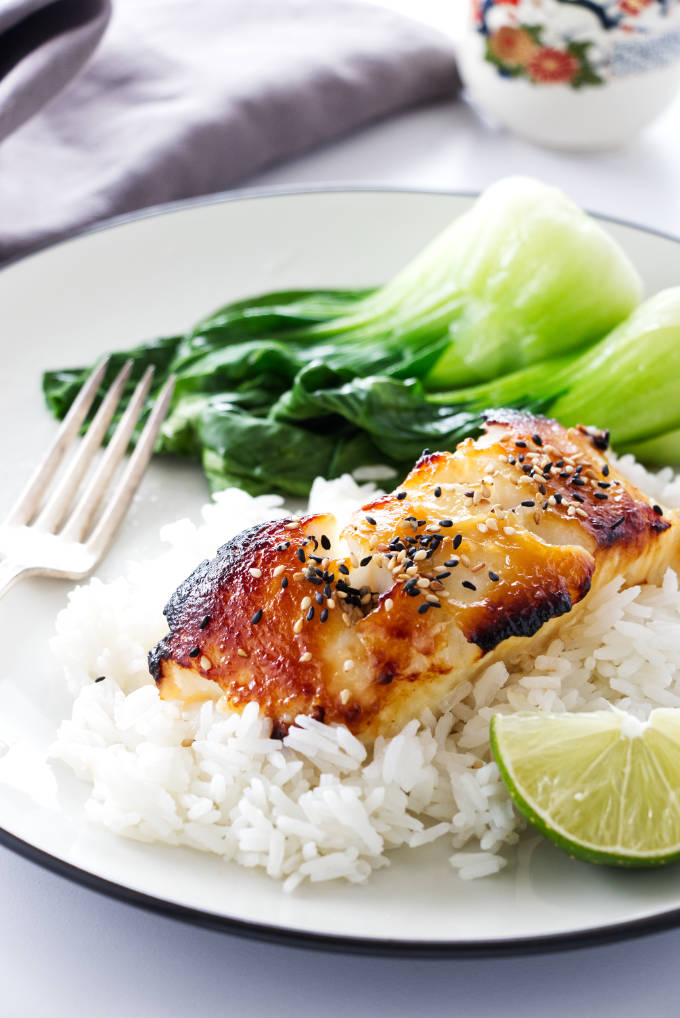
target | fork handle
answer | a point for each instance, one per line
(10, 572)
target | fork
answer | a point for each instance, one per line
(64, 539)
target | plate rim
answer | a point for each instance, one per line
(280, 935)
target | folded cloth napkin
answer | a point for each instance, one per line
(43, 43)
(186, 97)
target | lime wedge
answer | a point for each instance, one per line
(603, 786)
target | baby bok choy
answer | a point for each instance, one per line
(274, 390)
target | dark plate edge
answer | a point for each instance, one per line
(546, 944)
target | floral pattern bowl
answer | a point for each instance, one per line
(580, 74)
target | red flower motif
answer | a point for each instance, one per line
(552, 65)
(634, 7)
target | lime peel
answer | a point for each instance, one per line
(601, 785)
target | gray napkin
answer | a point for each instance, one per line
(186, 97)
(43, 43)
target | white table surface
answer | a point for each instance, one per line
(66, 951)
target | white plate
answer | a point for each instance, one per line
(156, 275)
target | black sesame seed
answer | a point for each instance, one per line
(283, 547)
(205, 621)
(413, 591)
(528, 502)
(541, 488)
(325, 543)
(100, 678)
(521, 458)
(437, 492)
(343, 569)
(327, 590)
(601, 495)
(256, 617)
(557, 497)
(365, 561)
(658, 510)
(521, 445)
(301, 555)
(526, 469)
(410, 584)
(424, 607)
(605, 470)
(284, 582)
(442, 576)
(564, 473)
(401, 495)
(451, 563)
(579, 498)
(319, 598)
(545, 506)
(559, 463)
(446, 523)
(315, 558)
(578, 481)
(310, 613)
(469, 494)
(604, 484)
(537, 439)
(457, 541)
(470, 586)
(512, 460)
(313, 578)
(420, 523)
(617, 523)
(194, 652)
(324, 615)
(370, 520)
(494, 577)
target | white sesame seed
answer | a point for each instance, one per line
(423, 582)
(491, 524)
(297, 628)
(412, 570)
(330, 603)
(465, 560)
(477, 566)
(257, 573)
(304, 658)
(348, 665)
(419, 556)
(278, 570)
(482, 528)
(242, 653)
(305, 603)
(206, 663)
(509, 531)
(344, 695)
(389, 604)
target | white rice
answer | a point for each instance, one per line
(320, 806)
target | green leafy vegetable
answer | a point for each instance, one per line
(507, 307)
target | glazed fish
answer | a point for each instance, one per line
(479, 555)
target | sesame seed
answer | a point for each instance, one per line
(330, 603)
(324, 615)
(304, 658)
(521, 445)
(494, 577)
(446, 523)
(452, 562)
(457, 541)
(291, 526)
(310, 614)
(509, 531)
(657, 509)
(205, 663)
(419, 555)
(305, 603)
(319, 598)
(424, 607)
(601, 495)
(278, 570)
(578, 481)
(617, 523)
(401, 495)
(437, 492)
(482, 528)
(257, 616)
(257, 573)
(205, 621)
(558, 498)
(370, 520)
(470, 586)
(442, 576)
(297, 628)
(389, 604)
(194, 652)
(344, 695)
(284, 582)
(298, 575)
(423, 583)
(343, 569)
(325, 543)
(366, 560)
(537, 439)
(348, 665)
(605, 471)
(476, 567)
(242, 653)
